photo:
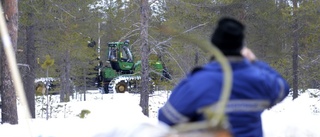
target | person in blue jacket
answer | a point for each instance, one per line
(256, 86)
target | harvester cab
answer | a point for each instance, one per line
(120, 57)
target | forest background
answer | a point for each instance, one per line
(54, 36)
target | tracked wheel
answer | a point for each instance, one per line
(121, 87)
(152, 86)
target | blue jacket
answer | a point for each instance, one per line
(256, 87)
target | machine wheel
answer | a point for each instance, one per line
(152, 86)
(121, 87)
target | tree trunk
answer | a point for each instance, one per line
(65, 78)
(30, 77)
(196, 58)
(145, 50)
(68, 77)
(63, 85)
(8, 95)
(295, 54)
(85, 84)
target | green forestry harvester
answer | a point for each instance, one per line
(121, 73)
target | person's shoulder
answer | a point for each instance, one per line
(203, 73)
(196, 69)
(207, 68)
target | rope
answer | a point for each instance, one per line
(214, 113)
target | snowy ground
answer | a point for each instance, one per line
(119, 115)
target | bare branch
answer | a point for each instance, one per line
(25, 65)
(62, 9)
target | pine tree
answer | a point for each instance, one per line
(8, 94)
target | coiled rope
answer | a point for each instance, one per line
(215, 113)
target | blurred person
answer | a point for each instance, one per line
(256, 86)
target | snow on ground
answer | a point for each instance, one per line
(119, 115)
(298, 118)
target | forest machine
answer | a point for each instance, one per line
(121, 73)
